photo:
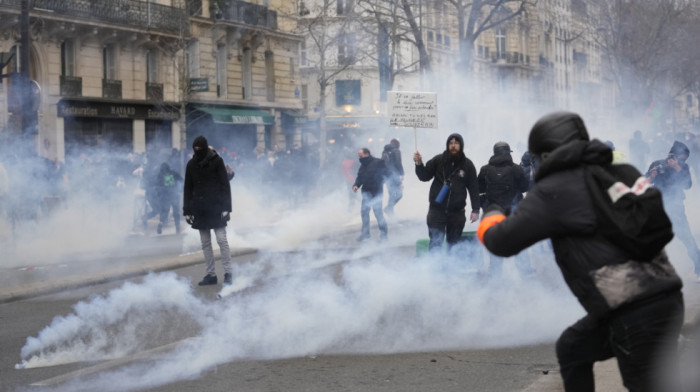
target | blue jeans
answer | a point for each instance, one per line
(373, 202)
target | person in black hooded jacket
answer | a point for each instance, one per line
(456, 173)
(503, 182)
(672, 177)
(207, 205)
(634, 308)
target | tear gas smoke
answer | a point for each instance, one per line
(381, 304)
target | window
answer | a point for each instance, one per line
(192, 59)
(109, 62)
(247, 77)
(305, 96)
(304, 61)
(348, 92)
(689, 100)
(270, 75)
(501, 44)
(292, 70)
(430, 36)
(221, 79)
(15, 62)
(67, 58)
(344, 7)
(152, 66)
(447, 40)
(346, 48)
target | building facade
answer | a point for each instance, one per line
(138, 75)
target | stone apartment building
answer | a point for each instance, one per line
(546, 57)
(137, 75)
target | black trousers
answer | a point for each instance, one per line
(643, 338)
(443, 224)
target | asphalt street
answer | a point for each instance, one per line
(31, 298)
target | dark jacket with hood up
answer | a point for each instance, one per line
(504, 194)
(559, 207)
(459, 172)
(207, 192)
(672, 183)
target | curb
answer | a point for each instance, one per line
(32, 290)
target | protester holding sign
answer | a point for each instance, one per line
(454, 176)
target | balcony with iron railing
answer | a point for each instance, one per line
(111, 89)
(246, 13)
(132, 13)
(154, 92)
(71, 86)
(510, 58)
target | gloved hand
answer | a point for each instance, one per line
(189, 219)
(225, 216)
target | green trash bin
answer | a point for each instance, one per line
(422, 245)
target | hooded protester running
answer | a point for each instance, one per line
(454, 178)
(634, 307)
(207, 205)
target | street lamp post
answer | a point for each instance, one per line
(27, 89)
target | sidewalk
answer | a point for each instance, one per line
(28, 282)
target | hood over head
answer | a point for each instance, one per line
(679, 149)
(555, 130)
(201, 142)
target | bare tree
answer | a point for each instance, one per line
(388, 23)
(332, 49)
(474, 17)
(639, 41)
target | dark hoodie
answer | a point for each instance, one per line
(672, 183)
(458, 171)
(501, 181)
(559, 207)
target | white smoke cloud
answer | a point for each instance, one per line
(386, 302)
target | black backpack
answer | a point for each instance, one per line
(500, 187)
(629, 209)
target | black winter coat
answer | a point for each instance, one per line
(461, 174)
(504, 194)
(207, 191)
(559, 207)
(371, 175)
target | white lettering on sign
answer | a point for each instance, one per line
(412, 109)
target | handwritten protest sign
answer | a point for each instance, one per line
(412, 109)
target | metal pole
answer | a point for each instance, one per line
(29, 117)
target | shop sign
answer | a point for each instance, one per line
(74, 108)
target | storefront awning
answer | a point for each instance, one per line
(238, 116)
